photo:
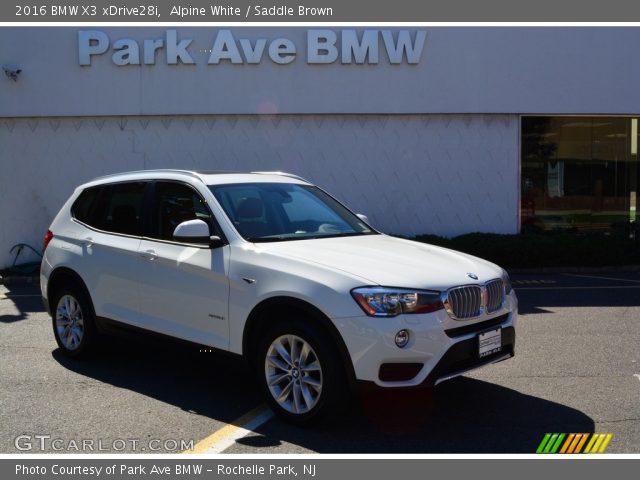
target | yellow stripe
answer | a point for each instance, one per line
(592, 440)
(594, 437)
(567, 442)
(607, 439)
(575, 442)
(582, 440)
(226, 431)
(596, 446)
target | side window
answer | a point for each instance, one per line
(177, 203)
(124, 212)
(119, 208)
(85, 204)
(113, 208)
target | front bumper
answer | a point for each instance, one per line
(440, 348)
(463, 357)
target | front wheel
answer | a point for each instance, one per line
(300, 373)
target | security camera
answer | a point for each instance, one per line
(11, 71)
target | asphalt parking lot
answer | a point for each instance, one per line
(577, 369)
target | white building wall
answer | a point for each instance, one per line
(411, 174)
(562, 70)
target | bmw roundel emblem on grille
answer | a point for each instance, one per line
(472, 275)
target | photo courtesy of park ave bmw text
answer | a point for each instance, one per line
(336, 238)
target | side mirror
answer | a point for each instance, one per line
(363, 217)
(196, 231)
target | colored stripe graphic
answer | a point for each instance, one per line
(543, 443)
(550, 443)
(567, 443)
(592, 442)
(580, 439)
(556, 446)
(605, 443)
(574, 443)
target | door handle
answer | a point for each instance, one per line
(149, 254)
(88, 242)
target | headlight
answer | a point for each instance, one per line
(389, 302)
(507, 282)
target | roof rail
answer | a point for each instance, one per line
(191, 173)
(284, 174)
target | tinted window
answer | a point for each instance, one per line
(579, 174)
(116, 208)
(83, 206)
(177, 203)
(124, 214)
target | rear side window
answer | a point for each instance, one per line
(83, 206)
(113, 208)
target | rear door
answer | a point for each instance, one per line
(112, 220)
(184, 289)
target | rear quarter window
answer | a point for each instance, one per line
(84, 205)
(115, 208)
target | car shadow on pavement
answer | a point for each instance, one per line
(22, 300)
(196, 380)
(463, 415)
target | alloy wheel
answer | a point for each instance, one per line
(293, 374)
(69, 322)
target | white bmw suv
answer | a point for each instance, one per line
(268, 266)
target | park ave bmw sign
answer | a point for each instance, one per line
(322, 47)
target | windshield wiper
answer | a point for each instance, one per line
(343, 234)
(278, 238)
(285, 238)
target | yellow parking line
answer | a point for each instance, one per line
(234, 430)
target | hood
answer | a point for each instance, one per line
(389, 261)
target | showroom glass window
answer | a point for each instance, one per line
(579, 173)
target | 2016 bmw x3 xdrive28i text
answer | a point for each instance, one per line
(270, 267)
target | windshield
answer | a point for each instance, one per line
(270, 212)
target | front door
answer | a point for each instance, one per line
(184, 289)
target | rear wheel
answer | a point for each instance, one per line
(73, 321)
(300, 373)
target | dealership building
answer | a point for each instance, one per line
(441, 130)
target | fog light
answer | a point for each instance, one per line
(402, 338)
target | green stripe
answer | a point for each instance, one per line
(543, 443)
(550, 443)
(558, 443)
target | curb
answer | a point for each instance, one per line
(610, 269)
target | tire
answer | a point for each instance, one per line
(308, 385)
(73, 321)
